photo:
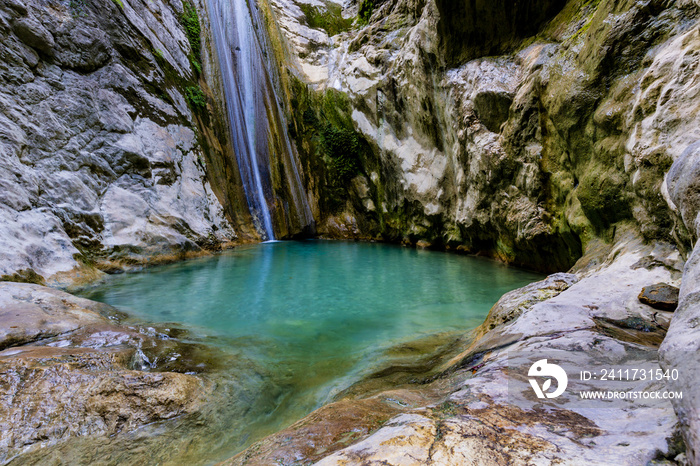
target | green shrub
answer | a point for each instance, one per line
(190, 20)
(342, 148)
(365, 12)
(196, 98)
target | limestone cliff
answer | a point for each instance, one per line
(520, 132)
(113, 151)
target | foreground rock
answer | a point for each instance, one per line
(30, 312)
(481, 408)
(69, 371)
(681, 349)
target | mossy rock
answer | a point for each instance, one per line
(24, 276)
(328, 18)
(604, 198)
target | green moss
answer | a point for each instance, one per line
(603, 197)
(119, 3)
(342, 149)
(329, 19)
(364, 14)
(330, 148)
(190, 20)
(24, 276)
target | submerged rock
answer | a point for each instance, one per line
(660, 296)
(51, 394)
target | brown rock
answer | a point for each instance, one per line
(660, 296)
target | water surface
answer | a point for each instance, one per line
(307, 319)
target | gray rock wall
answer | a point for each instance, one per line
(103, 160)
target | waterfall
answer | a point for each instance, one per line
(253, 111)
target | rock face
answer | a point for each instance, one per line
(681, 348)
(30, 312)
(104, 159)
(68, 371)
(560, 135)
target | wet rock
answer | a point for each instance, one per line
(660, 296)
(52, 394)
(492, 109)
(330, 428)
(69, 371)
(513, 304)
(30, 312)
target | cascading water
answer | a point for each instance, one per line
(253, 111)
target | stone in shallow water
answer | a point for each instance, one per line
(660, 296)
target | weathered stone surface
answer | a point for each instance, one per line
(100, 162)
(52, 394)
(31, 312)
(660, 296)
(680, 349)
(68, 371)
(514, 303)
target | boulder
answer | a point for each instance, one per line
(660, 296)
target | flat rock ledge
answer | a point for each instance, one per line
(481, 408)
(69, 370)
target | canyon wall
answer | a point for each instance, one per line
(551, 135)
(107, 136)
(476, 126)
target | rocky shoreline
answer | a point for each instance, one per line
(69, 369)
(85, 373)
(467, 413)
